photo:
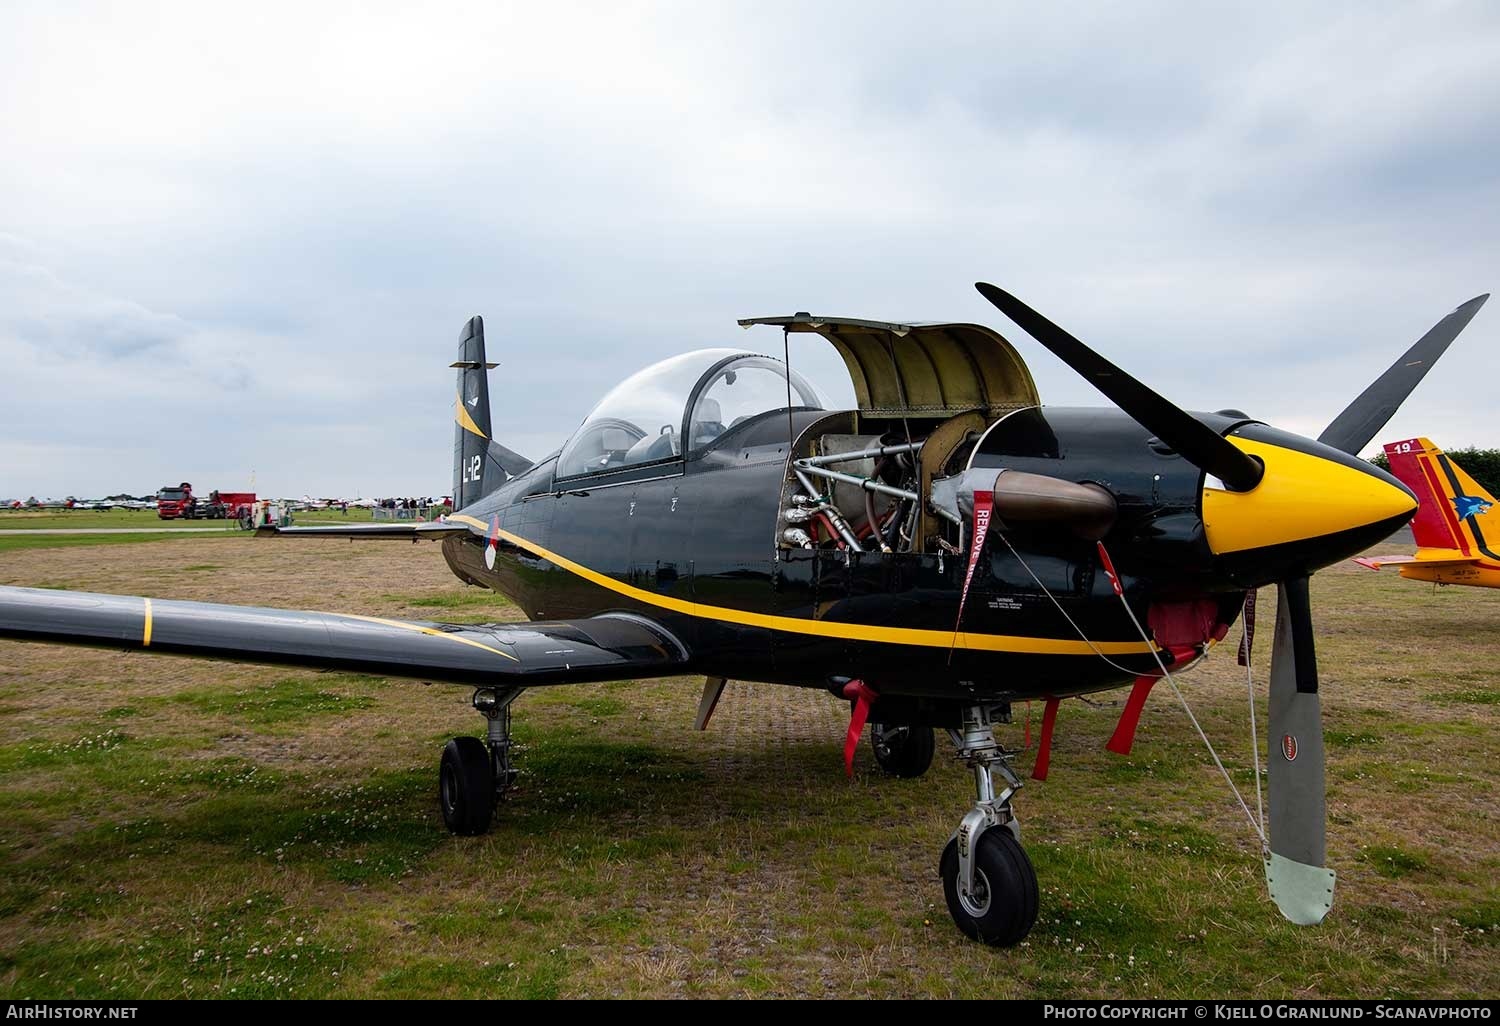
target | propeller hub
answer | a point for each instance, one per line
(1303, 497)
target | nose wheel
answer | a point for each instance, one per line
(474, 775)
(1000, 905)
(988, 880)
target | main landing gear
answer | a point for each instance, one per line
(988, 881)
(475, 774)
(902, 751)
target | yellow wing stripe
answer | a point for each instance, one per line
(432, 631)
(826, 628)
(146, 631)
(465, 421)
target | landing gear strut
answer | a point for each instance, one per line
(475, 774)
(988, 881)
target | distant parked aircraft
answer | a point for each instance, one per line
(1453, 517)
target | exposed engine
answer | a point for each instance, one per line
(900, 492)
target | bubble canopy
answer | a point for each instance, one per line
(696, 397)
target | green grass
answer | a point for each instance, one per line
(95, 746)
(25, 520)
(1349, 738)
(1475, 696)
(291, 700)
(18, 542)
(468, 598)
(1392, 862)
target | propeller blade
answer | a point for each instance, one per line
(1352, 430)
(1300, 885)
(1194, 441)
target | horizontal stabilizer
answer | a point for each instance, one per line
(411, 530)
(508, 460)
(1376, 562)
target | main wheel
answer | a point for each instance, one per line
(902, 751)
(1002, 908)
(466, 786)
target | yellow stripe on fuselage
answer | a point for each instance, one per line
(146, 631)
(464, 420)
(825, 628)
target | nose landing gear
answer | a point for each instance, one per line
(988, 881)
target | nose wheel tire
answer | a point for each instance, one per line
(902, 751)
(466, 786)
(1002, 909)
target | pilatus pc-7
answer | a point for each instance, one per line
(942, 551)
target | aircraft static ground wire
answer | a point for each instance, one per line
(1155, 652)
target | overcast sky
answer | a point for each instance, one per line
(242, 239)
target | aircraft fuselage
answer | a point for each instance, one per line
(692, 544)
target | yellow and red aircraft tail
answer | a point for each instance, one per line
(1456, 524)
(1454, 512)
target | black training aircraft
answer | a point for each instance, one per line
(944, 550)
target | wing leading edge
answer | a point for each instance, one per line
(612, 646)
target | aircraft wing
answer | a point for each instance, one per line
(612, 646)
(413, 530)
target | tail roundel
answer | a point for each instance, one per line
(480, 464)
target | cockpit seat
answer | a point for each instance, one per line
(707, 423)
(657, 447)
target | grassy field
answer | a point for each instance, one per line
(25, 519)
(117, 519)
(146, 521)
(171, 827)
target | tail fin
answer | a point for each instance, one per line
(1455, 512)
(480, 464)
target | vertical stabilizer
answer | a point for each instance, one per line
(480, 464)
(1455, 511)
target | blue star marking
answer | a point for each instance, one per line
(1470, 505)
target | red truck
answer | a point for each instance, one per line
(175, 501)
